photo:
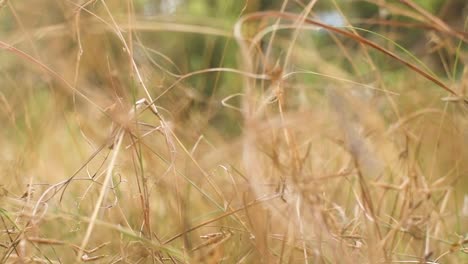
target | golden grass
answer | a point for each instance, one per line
(242, 137)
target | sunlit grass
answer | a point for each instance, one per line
(219, 134)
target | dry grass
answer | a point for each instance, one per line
(241, 137)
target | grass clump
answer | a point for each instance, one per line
(228, 132)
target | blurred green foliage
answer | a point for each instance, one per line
(194, 51)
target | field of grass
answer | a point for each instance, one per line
(196, 131)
